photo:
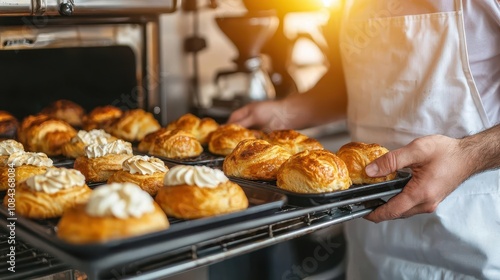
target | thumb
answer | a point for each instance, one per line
(388, 163)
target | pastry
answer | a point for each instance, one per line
(41, 133)
(171, 144)
(23, 165)
(102, 160)
(65, 110)
(144, 171)
(293, 141)
(76, 147)
(225, 138)
(192, 192)
(200, 128)
(133, 125)
(49, 194)
(8, 147)
(8, 125)
(316, 171)
(113, 211)
(101, 117)
(255, 159)
(357, 156)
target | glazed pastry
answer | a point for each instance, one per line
(65, 110)
(113, 211)
(133, 125)
(223, 140)
(255, 159)
(101, 117)
(171, 144)
(76, 147)
(8, 147)
(144, 171)
(23, 165)
(316, 171)
(192, 192)
(8, 125)
(293, 141)
(102, 160)
(199, 128)
(49, 194)
(43, 134)
(357, 156)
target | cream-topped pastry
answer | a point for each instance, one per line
(119, 200)
(201, 176)
(29, 158)
(55, 180)
(8, 147)
(117, 147)
(144, 165)
(26, 164)
(98, 136)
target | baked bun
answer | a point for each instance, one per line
(42, 133)
(316, 171)
(8, 125)
(357, 156)
(76, 147)
(7, 148)
(144, 171)
(133, 125)
(200, 128)
(293, 141)
(192, 192)
(171, 144)
(65, 110)
(49, 194)
(255, 159)
(225, 138)
(113, 211)
(23, 165)
(102, 160)
(101, 117)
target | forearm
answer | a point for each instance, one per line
(482, 150)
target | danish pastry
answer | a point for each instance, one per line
(293, 141)
(199, 128)
(23, 165)
(357, 156)
(255, 159)
(144, 171)
(113, 211)
(76, 147)
(192, 192)
(316, 171)
(49, 194)
(65, 110)
(8, 125)
(101, 117)
(133, 125)
(171, 144)
(224, 139)
(8, 147)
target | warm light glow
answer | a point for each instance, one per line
(331, 3)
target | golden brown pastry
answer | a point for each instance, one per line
(102, 160)
(65, 110)
(133, 125)
(113, 211)
(316, 171)
(192, 192)
(101, 117)
(144, 171)
(175, 144)
(49, 194)
(223, 140)
(8, 125)
(293, 141)
(200, 128)
(76, 147)
(357, 156)
(7, 148)
(255, 159)
(23, 165)
(41, 133)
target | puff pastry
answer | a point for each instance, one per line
(8, 125)
(76, 147)
(199, 128)
(224, 139)
(8, 147)
(255, 159)
(25, 164)
(65, 110)
(185, 197)
(293, 141)
(101, 117)
(316, 171)
(133, 125)
(49, 194)
(171, 144)
(113, 212)
(357, 156)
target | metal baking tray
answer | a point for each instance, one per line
(306, 199)
(206, 158)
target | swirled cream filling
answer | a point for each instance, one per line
(201, 176)
(144, 165)
(8, 147)
(117, 147)
(55, 180)
(98, 136)
(29, 158)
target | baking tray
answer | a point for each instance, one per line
(306, 200)
(205, 158)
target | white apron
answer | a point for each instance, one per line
(409, 76)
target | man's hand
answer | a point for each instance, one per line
(265, 115)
